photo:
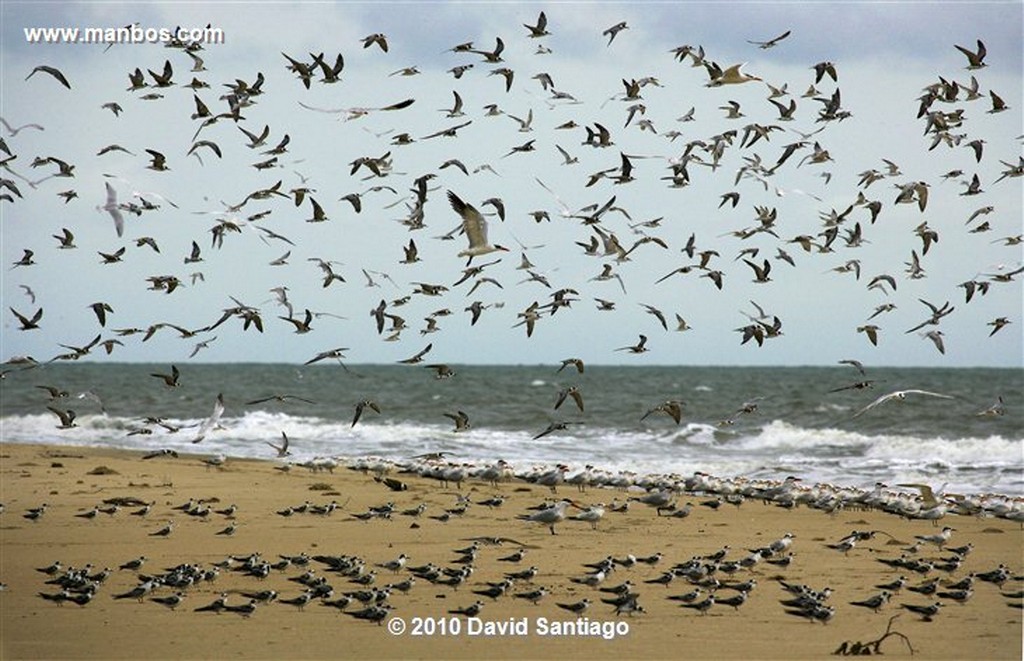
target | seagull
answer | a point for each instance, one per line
(475, 227)
(900, 395)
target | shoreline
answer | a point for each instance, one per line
(602, 477)
(65, 477)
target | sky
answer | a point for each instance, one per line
(884, 55)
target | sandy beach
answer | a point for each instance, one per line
(73, 480)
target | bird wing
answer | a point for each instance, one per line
(929, 393)
(211, 422)
(473, 223)
(113, 210)
(880, 400)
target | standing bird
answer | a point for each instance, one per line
(551, 515)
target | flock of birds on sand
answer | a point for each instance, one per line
(929, 572)
(717, 581)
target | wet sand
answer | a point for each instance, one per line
(66, 479)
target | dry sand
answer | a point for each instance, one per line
(31, 627)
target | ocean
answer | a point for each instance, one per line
(796, 426)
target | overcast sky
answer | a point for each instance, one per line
(885, 54)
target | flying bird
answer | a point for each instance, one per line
(113, 208)
(771, 43)
(56, 73)
(614, 30)
(361, 406)
(475, 227)
(899, 395)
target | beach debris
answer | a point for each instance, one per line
(858, 648)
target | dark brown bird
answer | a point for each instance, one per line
(53, 71)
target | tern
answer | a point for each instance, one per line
(764, 45)
(975, 60)
(614, 30)
(575, 362)
(362, 406)
(939, 539)
(926, 612)
(639, 347)
(28, 323)
(56, 73)
(460, 419)
(899, 395)
(212, 421)
(571, 391)
(730, 76)
(577, 608)
(475, 227)
(539, 30)
(282, 450)
(553, 427)
(672, 408)
(551, 515)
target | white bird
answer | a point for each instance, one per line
(900, 395)
(111, 207)
(592, 514)
(211, 422)
(550, 516)
(475, 227)
(939, 540)
(731, 76)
